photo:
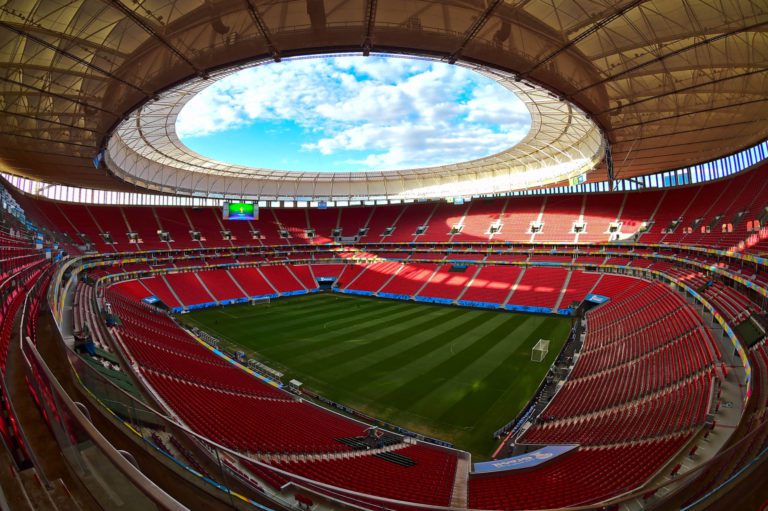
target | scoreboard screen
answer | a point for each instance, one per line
(240, 211)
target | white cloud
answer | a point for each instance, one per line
(408, 145)
(396, 113)
(490, 105)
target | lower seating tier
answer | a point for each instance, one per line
(253, 424)
(581, 477)
(429, 480)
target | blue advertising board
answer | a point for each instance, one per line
(531, 459)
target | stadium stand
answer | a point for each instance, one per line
(411, 218)
(175, 222)
(158, 287)
(304, 275)
(281, 278)
(221, 285)
(492, 284)
(600, 211)
(379, 220)
(517, 217)
(323, 221)
(579, 284)
(352, 222)
(247, 423)
(252, 280)
(145, 224)
(111, 221)
(410, 279)
(478, 221)
(633, 407)
(632, 214)
(329, 270)
(447, 282)
(557, 214)
(428, 480)
(189, 288)
(587, 475)
(371, 277)
(539, 287)
(442, 221)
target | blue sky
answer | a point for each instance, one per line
(352, 113)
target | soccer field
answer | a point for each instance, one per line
(455, 373)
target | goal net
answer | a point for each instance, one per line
(540, 350)
(260, 301)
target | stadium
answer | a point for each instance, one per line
(522, 266)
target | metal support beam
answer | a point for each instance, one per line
(370, 19)
(609, 163)
(660, 58)
(678, 115)
(60, 51)
(684, 89)
(472, 31)
(81, 42)
(697, 129)
(56, 95)
(597, 26)
(38, 140)
(151, 31)
(273, 50)
(39, 119)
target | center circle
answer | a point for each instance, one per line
(352, 114)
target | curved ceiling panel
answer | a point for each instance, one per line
(562, 143)
(670, 82)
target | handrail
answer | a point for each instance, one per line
(28, 447)
(384, 500)
(485, 246)
(141, 481)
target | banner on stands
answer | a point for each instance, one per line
(531, 459)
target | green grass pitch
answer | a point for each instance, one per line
(454, 373)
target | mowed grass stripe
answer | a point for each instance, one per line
(491, 415)
(308, 317)
(282, 332)
(495, 382)
(295, 309)
(400, 332)
(297, 305)
(317, 322)
(442, 350)
(354, 323)
(455, 373)
(426, 382)
(340, 308)
(472, 376)
(409, 353)
(356, 327)
(274, 320)
(338, 316)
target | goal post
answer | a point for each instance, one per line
(260, 301)
(540, 350)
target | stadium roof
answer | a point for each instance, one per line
(670, 83)
(562, 143)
